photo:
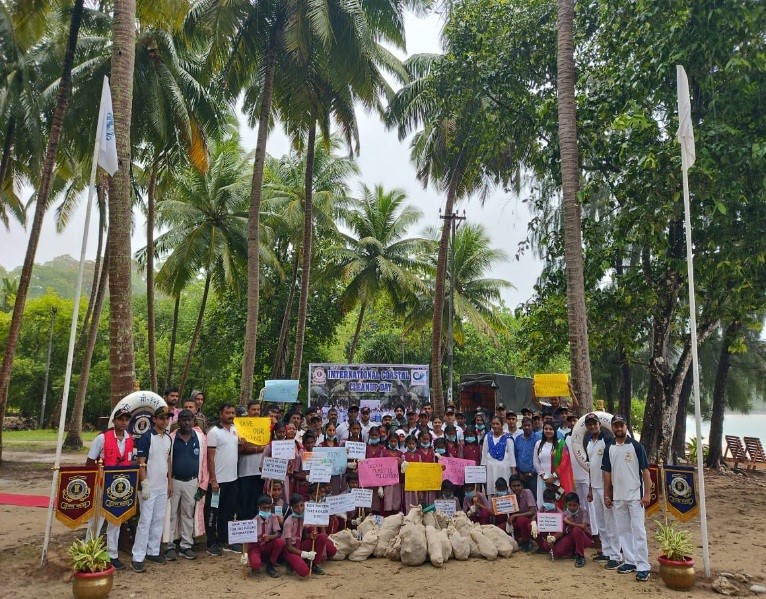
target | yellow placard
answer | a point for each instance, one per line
(552, 385)
(254, 430)
(423, 477)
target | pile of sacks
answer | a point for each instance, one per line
(416, 537)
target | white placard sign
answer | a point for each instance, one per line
(274, 469)
(446, 506)
(316, 514)
(476, 475)
(243, 531)
(357, 450)
(284, 450)
(340, 504)
(362, 497)
(505, 504)
(553, 522)
(321, 472)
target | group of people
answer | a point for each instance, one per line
(195, 478)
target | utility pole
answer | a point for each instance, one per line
(54, 312)
(455, 219)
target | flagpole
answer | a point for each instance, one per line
(72, 338)
(693, 321)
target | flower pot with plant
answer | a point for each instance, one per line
(676, 563)
(93, 570)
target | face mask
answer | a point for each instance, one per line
(425, 445)
(470, 494)
(570, 513)
(549, 506)
(451, 438)
(372, 441)
(328, 438)
(481, 427)
(393, 445)
(501, 491)
(297, 515)
(470, 439)
(447, 496)
(410, 449)
(441, 451)
(264, 515)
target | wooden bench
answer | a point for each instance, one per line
(738, 454)
(755, 452)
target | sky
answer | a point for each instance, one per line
(383, 160)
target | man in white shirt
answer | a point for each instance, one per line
(342, 430)
(366, 423)
(221, 501)
(249, 471)
(449, 418)
(511, 426)
(604, 518)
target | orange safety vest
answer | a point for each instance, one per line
(112, 455)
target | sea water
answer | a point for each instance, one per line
(734, 423)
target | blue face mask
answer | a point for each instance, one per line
(328, 438)
(501, 491)
(570, 513)
(470, 494)
(372, 441)
(441, 451)
(549, 506)
(481, 427)
(451, 438)
(264, 515)
(411, 449)
(470, 439)
(294, 515)
(425, 445)
(393, 445)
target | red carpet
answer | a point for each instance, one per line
(24, 500)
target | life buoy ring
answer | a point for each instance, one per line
(579, 433)
(142, 405)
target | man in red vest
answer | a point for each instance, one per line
(115, 447)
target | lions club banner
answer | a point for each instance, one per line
(681, 492)
(118, 502)
(76, 495)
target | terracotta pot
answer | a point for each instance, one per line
(677, 575)
(93, 585)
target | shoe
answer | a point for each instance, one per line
(579, 561)
(214, 550)
(271, 570)
(626, 569)
(317, 570)
(612, 564)
(156, 559)
(527, 546)
(171, 555)
(137, 567)
(600, 558)
(289, 569)
(235, 548)
(189, 553)
(642, 576)
(118, 565)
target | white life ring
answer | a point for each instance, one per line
(580, 431)
(142, 405)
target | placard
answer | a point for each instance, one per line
(284, 450)
(274, 469)
(552, 385)
(476, 475)
(423, 477)
(335, 455)
(505, 504)
(254, 430)
(321, 472)
(316, 514)
(446, 506)
(454, 469)
(243, 531)
(362, 497)
(306, 458)
(356, 450)
(550, 522)
(379, 472)
(281, 391)
(340, 504)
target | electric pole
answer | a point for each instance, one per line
(455, 219)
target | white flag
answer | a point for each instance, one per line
(107, 152)
(685, 131)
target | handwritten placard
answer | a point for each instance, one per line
(454, 469)
(316, 514)
(243, 531)
(362, 497)
(284, 450)
(335, 455)
(340, 504)
(306, 458)
(550, 522)
(379, 472)
(552, 385)
(505, 504)
(274, 469)
(255, 430)
(446, 506)
(476, 475)
(423, 477)
(321, 472)
(278, 391)
(357, 450)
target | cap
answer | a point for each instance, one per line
(526, 411)
(365, 409)
(479, 409)
(510, 413)
(450, 411)
(500, 406)
(617, 418)
(161, 411)
(459, 414)
(562, 409)
(122, 412)
(353, 406)
(411, 411)
(536, 415)
(387, 415)
(591, 417)
(400, 432)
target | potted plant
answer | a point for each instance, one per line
(93, 570)
(676, 563)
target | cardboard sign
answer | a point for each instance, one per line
(274, 469)
(335, 455)
(284, 450)
(362, 497)
(553, 522)
(423, 477)
(321, 472)
(356, 450)
(306, 458)
(340, 504)
(316, 514)
(281, 391)
(446, 506)
(379, 472)
(454, 470)
(505, 504)
(243, 531)
(476, 475)
(552, 385)
(255, 430)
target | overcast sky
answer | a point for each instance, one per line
(383, 160)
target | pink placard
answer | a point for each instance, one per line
(454, 470)
(378, 472)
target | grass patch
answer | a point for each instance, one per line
(36, 440)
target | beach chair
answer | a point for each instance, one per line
(755, 452)
(737, 450)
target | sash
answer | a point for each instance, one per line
(497, 450)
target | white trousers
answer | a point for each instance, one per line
(182, 506)
(112, 536)
(581, 488)
(607, 529)
(150, 524)
(629, 517)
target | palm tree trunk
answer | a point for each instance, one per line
(254, 228)
(195, 336)
(41, 205)
(151, 325)
(308, 223)
(626, 386)
(281, 353)
(579, 355)
(355, 340)
(169, 372)
(715, 439)
(74, 430)
(7, 146)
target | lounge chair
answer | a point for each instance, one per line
(737, 450)
(755, 452)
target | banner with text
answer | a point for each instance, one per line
(119, 498)
(379, 472)
(75, 497)
(681, 492)
(255, 430)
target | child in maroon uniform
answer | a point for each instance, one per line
(519, 523)
(270, 543)
(472, 448)
(299, 542)
(391, 496)
(476, 505)
(427, 456)
(454, 449)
